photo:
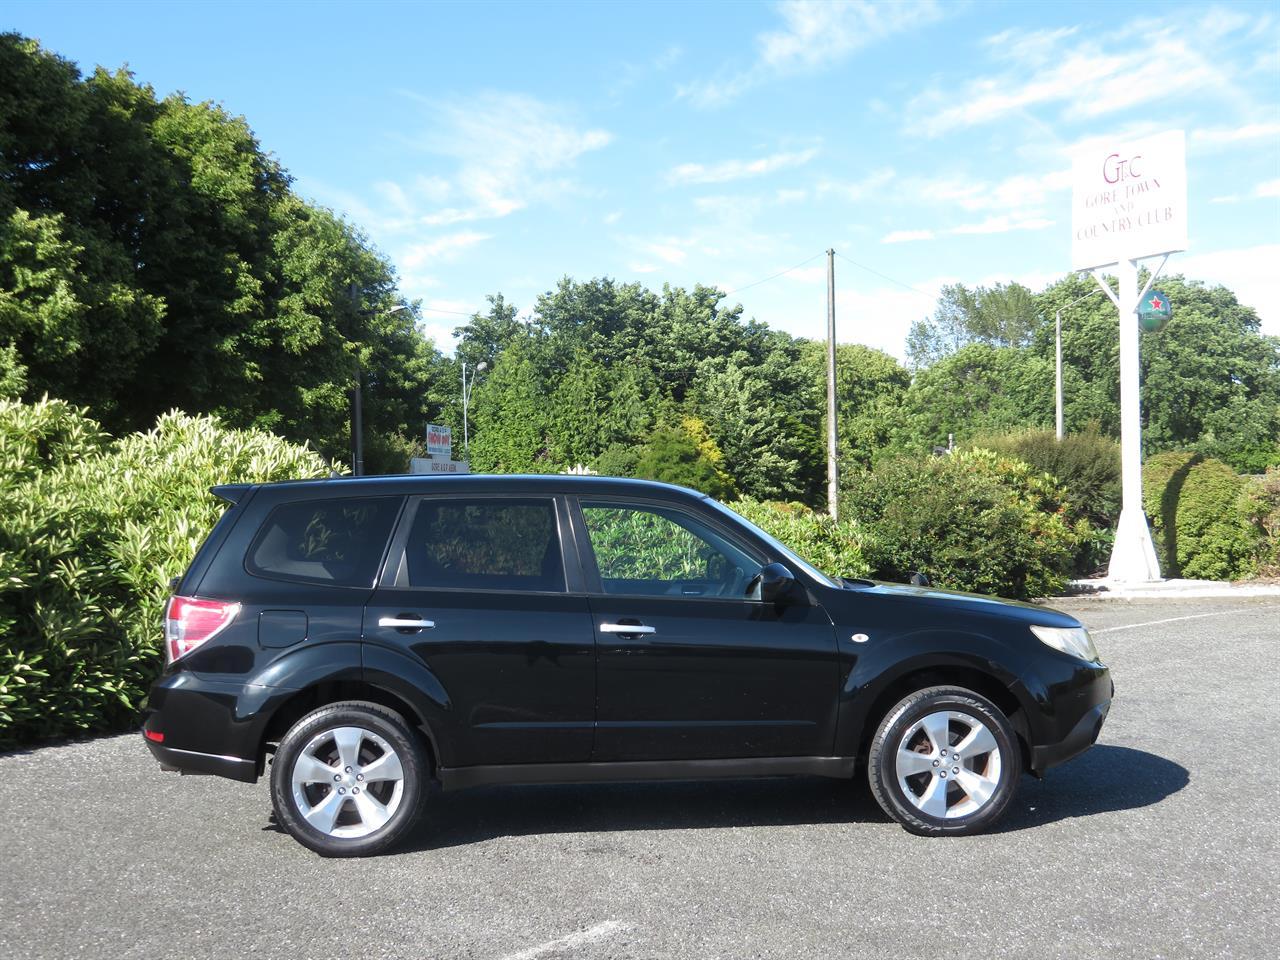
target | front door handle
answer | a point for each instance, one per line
(626, 628)
(403, 623)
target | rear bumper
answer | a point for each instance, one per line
(191, 761)
(1082, 736)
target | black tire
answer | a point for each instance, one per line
(380, 727)
(902, 797)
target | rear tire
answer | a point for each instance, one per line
(945, 761)
(349, 779)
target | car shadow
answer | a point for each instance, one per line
(1105, 779)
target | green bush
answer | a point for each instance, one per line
(1199, 516)
(91, 531)
(1086, 465)
(835, 548)
(1262, 507)
(974, 521)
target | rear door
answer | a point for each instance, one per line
(486, 593)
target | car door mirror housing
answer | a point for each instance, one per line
(773, 584)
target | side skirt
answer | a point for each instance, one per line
(457, 778)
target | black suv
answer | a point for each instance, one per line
(376, 633)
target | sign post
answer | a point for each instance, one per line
(1129, 203)
(439, 454)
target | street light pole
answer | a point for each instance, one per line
(466, 400)
(833, 486)
(1057, 349)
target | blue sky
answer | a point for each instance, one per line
(497, 147)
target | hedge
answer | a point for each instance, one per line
(91, 531)
(973, 521)
(1199, 516)
(835, 548)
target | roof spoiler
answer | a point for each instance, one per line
(231, 492)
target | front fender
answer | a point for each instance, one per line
(876, 670)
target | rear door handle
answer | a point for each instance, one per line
(626, 628)
(403, 623)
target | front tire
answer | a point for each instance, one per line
(944, 761)
(349, 779)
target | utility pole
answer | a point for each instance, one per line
(833, 506)
(1057, 379)
(357, 406)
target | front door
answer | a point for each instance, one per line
(688, 666)
(477, 589)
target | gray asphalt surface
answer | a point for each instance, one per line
(1159, 842)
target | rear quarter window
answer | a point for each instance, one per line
(334, 542)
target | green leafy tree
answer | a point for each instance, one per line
(1005, 315)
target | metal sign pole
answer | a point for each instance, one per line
(833, 487)
(1133, 556)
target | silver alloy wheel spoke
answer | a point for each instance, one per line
(372, 813)
(325, 813)
(937, 727)
(386, 767)
(348, 740)
(973, 764)
(311, 769)
(977, 742)
(910, 763)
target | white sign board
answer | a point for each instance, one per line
(1129, 200)
(439, 441)
(420, 465)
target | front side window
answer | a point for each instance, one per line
(654, 551)
(336, 542)
(484, 544)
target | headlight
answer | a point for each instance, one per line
(1070, 640)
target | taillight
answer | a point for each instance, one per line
(189, 622)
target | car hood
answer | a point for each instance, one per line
(975, 604)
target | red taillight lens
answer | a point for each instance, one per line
(189, 622)
(155, 735)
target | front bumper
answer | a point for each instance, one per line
(1082, 736)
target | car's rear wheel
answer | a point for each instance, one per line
(944, 760)
(348, 779)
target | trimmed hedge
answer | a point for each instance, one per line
(1199, 516)
(973, 521)
(91, 531)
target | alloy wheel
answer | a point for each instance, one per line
(948, 764)
(347, 782)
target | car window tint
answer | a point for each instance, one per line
(644, 550)
(338, 542)
(484, 544)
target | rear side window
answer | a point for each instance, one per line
(484, 544)
(335, 542)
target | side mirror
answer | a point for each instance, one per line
(918, 579)
(774, 582)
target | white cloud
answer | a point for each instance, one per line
(642, 268)
(1086, 76)
(446, 247)
(858, 189)
(1250, 272)
(728, 170)
(612, 218)
(1249, 131)
(1268, 188)
(1002, 224)
(814, 34)
(905, 236)
(1229, 198)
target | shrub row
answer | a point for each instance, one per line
(91, 531)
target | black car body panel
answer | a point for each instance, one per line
(524, 685)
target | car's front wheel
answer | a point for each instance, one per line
(348, 779)
(944, 760)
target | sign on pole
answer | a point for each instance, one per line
(429, 465)
(1129, 202)
(439, 441)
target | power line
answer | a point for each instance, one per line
(884, 276)
(774, 277)
(457, 313)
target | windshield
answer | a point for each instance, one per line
(777, 545)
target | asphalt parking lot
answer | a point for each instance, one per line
(1159, 842)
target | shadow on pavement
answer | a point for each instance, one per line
(1105, 779)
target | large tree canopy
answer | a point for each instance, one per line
(153, 256)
